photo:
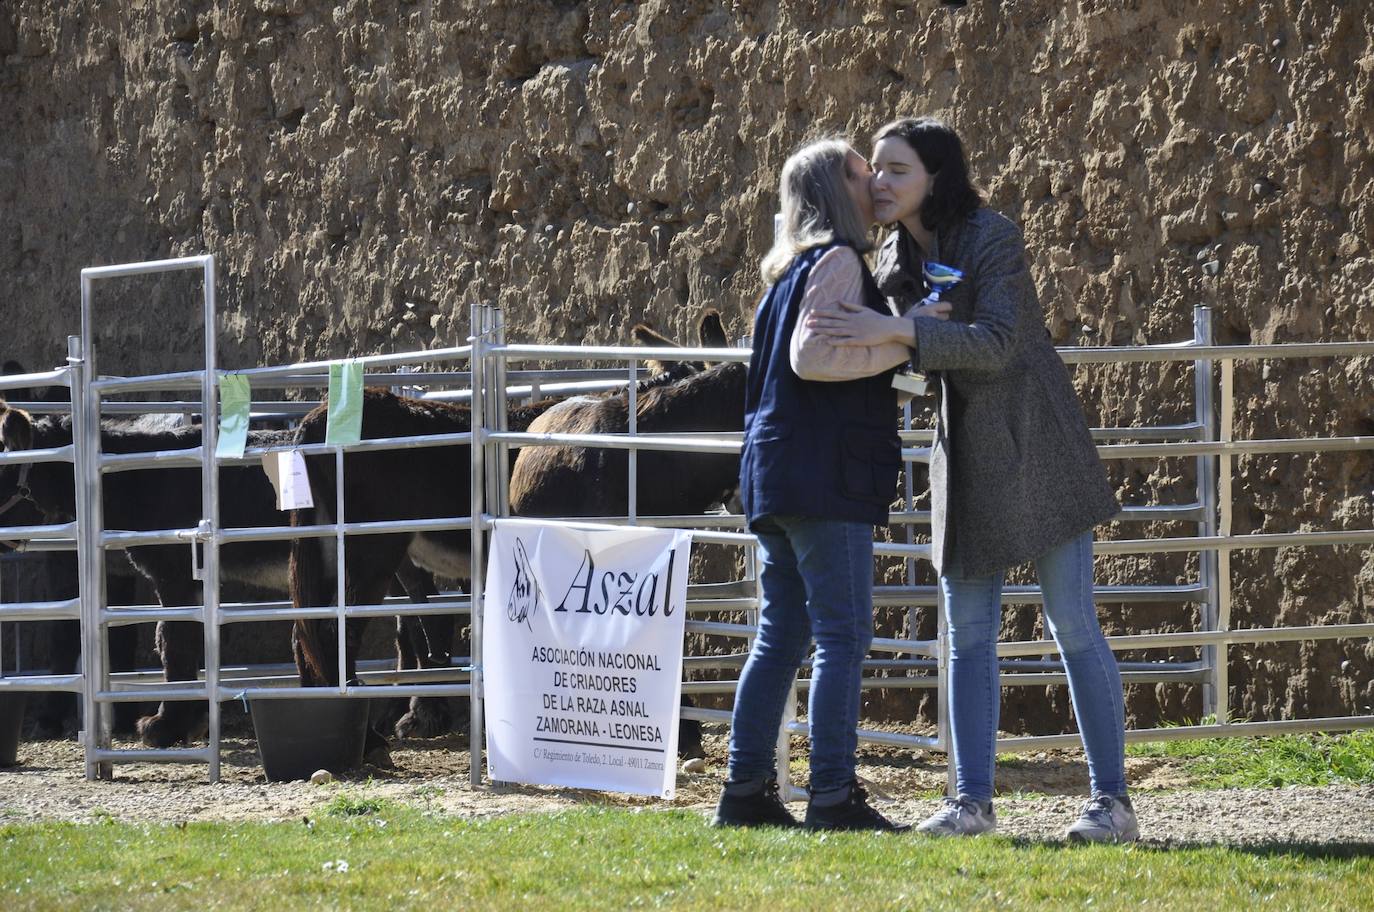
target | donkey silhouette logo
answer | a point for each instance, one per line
(524, 593)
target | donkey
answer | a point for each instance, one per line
(56, 714)
(151, 499)
(422, 483)
(585, 481)
(588, 481)
(161, 498)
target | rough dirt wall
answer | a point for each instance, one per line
(366, 170)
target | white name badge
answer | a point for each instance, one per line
(287, 472)
(910, 383)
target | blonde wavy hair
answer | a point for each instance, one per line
(815, 207)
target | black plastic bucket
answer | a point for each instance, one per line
(297, 736)
(11, 721)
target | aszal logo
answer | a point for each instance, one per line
(618, 591)
(524, 594)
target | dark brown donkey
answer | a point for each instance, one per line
(558, 481)
(421, 483)
(161, 498)
(151, 499)
(56, 714)
(589, 481)
(681, 397)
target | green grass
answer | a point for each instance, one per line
(346, 805)
(400, 858)
(1269, 762)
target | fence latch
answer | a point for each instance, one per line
(203, 532)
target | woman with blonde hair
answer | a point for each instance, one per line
(818, 470)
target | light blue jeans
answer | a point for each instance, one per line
(973, 607)
(815, 580)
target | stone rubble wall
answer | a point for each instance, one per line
(365, 171)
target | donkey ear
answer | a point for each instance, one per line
(649, 337)
(711, 330)
(16, 430)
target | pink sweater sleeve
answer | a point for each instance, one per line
(838, 276)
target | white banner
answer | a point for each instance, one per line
(582, 656)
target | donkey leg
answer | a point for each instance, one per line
(122, 589)
(689, 745)
(371, 566)
(385, 712)
(57, 714)
(179, 644)
(430, 638)
(430, 717)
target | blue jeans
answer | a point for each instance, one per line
(973, 607)
(815, 580)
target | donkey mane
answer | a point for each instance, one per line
(669, 374)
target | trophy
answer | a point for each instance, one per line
(939, 279)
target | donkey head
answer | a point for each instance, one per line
(710, 334)
(16, 428)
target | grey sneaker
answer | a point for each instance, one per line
(1105, 818)
(962, 816)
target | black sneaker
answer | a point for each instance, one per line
(853, 813)
(761, 808)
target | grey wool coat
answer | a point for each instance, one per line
(1013, 471)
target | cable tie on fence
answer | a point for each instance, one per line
(242, 697)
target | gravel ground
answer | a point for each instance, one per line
(1042, 793)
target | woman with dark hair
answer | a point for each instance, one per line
(1014, 475)
(818, 470)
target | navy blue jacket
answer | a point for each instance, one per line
(823, 449)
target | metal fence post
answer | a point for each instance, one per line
(477, 322)
(1221, 669)
(340, 569)
(1207, 496)
(499, 410)
(95, 734)
(632, 456)
(209, 487)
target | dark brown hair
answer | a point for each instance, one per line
(953, 194)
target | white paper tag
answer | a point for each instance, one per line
(287, 471)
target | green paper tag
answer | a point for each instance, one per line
(345, 425)
(235, 399)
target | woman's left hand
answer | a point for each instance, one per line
(846, 323)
